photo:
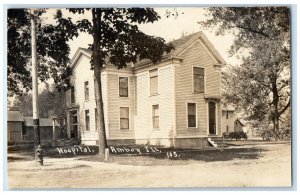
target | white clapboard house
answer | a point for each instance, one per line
(173, 103)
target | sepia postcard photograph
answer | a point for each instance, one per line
(148, 97)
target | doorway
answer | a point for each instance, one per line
(212, 118)
(73, 124)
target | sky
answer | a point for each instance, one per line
(168, 28)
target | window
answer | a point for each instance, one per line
(72, 95)
(124, 118)
(123, 86)
(153, 74)
(198, 79)
(227, 128)
(87, 120)
(96, 120)
(226, 114)
(86, 90)
(155, 116)
(191, 114)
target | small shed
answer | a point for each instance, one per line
(15, 126)
(238, 125)
(46, 129)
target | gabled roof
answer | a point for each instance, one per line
(239, 120)
(80, 51)
(180, 45)
(15, 116)
(44, 122)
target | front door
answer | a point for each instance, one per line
(73, 124)
(212, 118)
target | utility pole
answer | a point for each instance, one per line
(35, 106)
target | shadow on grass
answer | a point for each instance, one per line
(169, 156)
(153, 156)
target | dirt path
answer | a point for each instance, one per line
(271, 169)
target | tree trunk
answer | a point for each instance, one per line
(98, 64)
(276, 112)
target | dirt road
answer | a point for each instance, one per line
(271, 169)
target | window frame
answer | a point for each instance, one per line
(86, 91)
(119, 86)
(204, 80)
(187, 114)
(157, 75)
(155, 117)
(128, 119)
(72, 94)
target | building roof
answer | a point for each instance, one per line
(180, 45)
(228, 108)
(239, 120)
(15, 116)
(44, 122)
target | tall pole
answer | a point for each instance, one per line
(35, 106)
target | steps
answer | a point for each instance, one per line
(217, 142)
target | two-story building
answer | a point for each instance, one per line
(173, 103)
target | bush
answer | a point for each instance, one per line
(235, 135)
(266, 135)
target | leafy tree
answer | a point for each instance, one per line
(52, 49)
(51, 101)
(260, 86)
(116, 37)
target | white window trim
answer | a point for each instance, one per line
(129, 118)
(119, 86)
(216, 116)
(72, 103)
(86, 100)
(155, 129)
(186, 115)
(204, 80)
(149, 82)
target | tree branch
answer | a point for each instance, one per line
(285, 108)
(252, 30)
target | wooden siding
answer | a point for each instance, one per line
(196, 55)
(228, 122)
(46, 133)
(115, 102)
(81, 74)
(14, 131)
(144, 127)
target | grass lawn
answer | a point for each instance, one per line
(147, 155)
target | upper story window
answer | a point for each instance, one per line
(72, 95)
(155, 116)
(153, 74)
(123, 86)
(198, 79)
(191, 109)
(86, 90)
